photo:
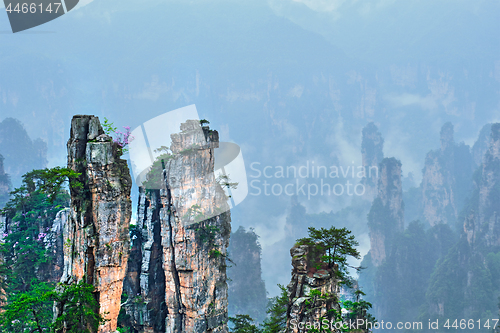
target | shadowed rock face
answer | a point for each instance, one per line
(386, 217)
(306, 277)
(177, 279)
(98, 223)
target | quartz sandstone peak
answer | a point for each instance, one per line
(372, 154)
(96, 233)
(176, 281)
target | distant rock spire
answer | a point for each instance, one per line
(481, 145)
(386, 217)
(447, 179)
(372, 145)
(447, 136)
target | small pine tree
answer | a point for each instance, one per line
(243, 324)
(277, 311)
(80, 310)
(337, 244)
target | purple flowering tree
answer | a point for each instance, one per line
(121, 138)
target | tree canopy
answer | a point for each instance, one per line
(335, 245)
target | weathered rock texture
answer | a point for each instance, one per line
(372, 145)
(386, 217)
(145, 281)
(97, 228)
(304, 306)
(447, 177)
(178, 282)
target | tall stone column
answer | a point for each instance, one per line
(96, 234)
(183, 229)
(386, 217)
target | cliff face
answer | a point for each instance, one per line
(178, 283)
(446, 179)
(372, 145)
(386, 217)
(305, 306)
(98, 222)
(145, 281)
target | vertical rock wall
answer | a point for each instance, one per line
(183, 234)
(145, 281)
(97, 229)
(386, 217)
